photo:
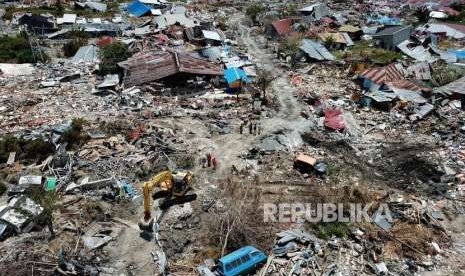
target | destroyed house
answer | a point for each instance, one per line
(390, 37)
(374, 78)
(280, 28)
(443, 30)
(95, 6)
(314, 11)
(154, 65)
(37, 24)
(315, 50)
(453, 90)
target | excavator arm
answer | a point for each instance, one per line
(164, 180)
(173, 186)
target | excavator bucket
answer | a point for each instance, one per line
(146, 225)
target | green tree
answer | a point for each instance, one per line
(422, 14)
(253, 10)
(48, 201)
(329, 41)
(264, 80)
(111, 55)
(79, 39)
(291, 47)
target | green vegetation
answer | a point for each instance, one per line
(422, 14)
(327, 230)
(290, 47)
(48, 200)
(16, 49)
(112, 8)
(37, 149)
(363, 52)
(460, 7)
(443, 74)
(329, 41)
(253, 10)
(292, 9)
(79, 39)
(75, 136)
(56, 10)
(111, 55)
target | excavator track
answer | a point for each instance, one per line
(177, 200)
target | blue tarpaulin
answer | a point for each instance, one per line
(235, 76)
(460, 54)
(384, 20)
(138, 9)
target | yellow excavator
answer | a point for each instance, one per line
(173, 187)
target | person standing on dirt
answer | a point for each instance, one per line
(255, 129)
(214, 162)
(250, 127)
(241, 128)
(209, 160)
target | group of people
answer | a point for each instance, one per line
(211, 161)
(254, 127)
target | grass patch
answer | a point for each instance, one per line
(37, 149)
(56, 10)
(16, 50)
(363, 52)
(326, 231)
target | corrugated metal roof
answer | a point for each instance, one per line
(283, 26)
(456, 31)
(407, 85)
(234, 74)
(416, 52)
(381, 75)
(69, 18)
(316, 50)
(87, 53)
(409, 96)
(138, 9)
(455, 87)
(342, 38)
(154, 65)
(101, 7)
(167, 20)
(349, 29)
(391, 30)
(211, 35)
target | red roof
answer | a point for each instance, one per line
(381, 75)
(408, 85)
(283, 27)
(105, 41)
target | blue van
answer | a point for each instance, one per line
(241, 261)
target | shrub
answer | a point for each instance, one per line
(16, 50)
(327, 230)
(75, 136)
(111, 55)
(291, 47)
(36, 149)
(253, 10)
